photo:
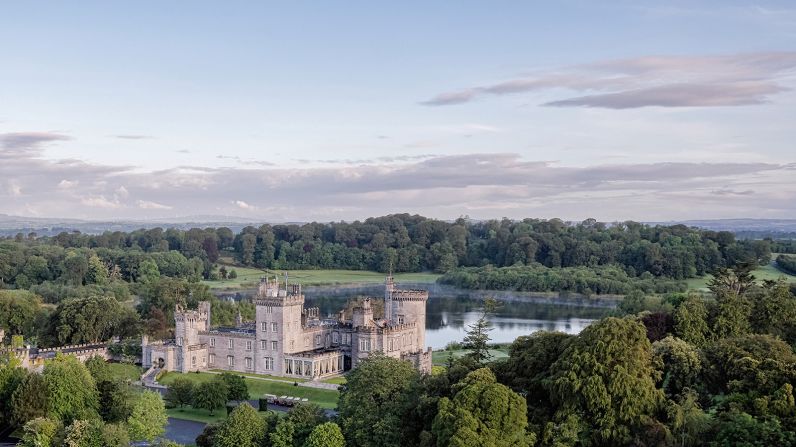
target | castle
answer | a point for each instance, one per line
(286, 339)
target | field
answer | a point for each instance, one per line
(195, 414)
(766, 272)
(249, 277)
(259, 387)
(125, 371)
(440, 358)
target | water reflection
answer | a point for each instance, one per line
(449, 314)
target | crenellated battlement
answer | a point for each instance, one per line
(280, 301)
(409, 295)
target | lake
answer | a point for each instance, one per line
(450, 311)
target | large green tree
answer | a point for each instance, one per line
(606, 377)
(375, 400)
(180, 392)
(690, 321)
(210, 395)
(327, 434)
(236, 386)
(148, 418)
(482, 413)
(243, 428)
(71, 390)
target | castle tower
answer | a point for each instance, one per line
(389, 288)
(278, 324)
(188, 323)
(362, 316)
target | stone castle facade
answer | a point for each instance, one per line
(286, 339)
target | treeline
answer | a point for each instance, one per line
(610, 280)
(787, 263)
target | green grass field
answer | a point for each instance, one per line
(257, 388)
(440, 358)
(766, 272)
(125, 371)
(249, 277)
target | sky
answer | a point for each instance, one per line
(299, 111)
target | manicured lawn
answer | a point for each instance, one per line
(264, 376)
(126, 371)
(195, 414)
(766, 272)
(341, 380)
(439, 358)
(249, 277)
(257, 388)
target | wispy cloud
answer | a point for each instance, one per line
(665, 81)
(18, 141)
(481, 185)
(134, 137)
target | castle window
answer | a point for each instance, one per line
(264, 344)
(212, 342)
(298, 367)
(248, 363)
(212, 359)
(391, 346)
(336, 337)
(269, 363)
(306, 342)
(264, 326)
(248, 346)
(193, 361)
(400, 319)
(288, 366)
(179, 341)
(291, 345)
(273, 345)
(273, 327)
(317, 340)
(230, 343)
(364, 345)
(230, 361)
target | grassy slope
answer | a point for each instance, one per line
(439, 358)
(125, 371)
(257, 388)
(766, 272)
(250, 277)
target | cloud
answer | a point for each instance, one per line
(481, 185)
(243, 205)
(664, 81)
(147, 205)
(23, 141)
(134, 137)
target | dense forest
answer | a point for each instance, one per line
(402, 242)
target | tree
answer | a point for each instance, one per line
(39, 432)
(374, 401)
(83, 433)
(527, 369)
(29, 400)
(148, 419)
(11, 377)
(679, 362)
(690, 321)
(305, 417)
(326, 435)
(236, 386)
(477, 339)
(180, 392)
(606, 377)
(741, 429)
(210, 395)
(282, 436)
(148, 272)
(71, 389)
(774, 310)
(243, 428)
(482, 412)
(689, 423)
(99, 369)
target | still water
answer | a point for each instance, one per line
(449, 312)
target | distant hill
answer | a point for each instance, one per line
(746, 228)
